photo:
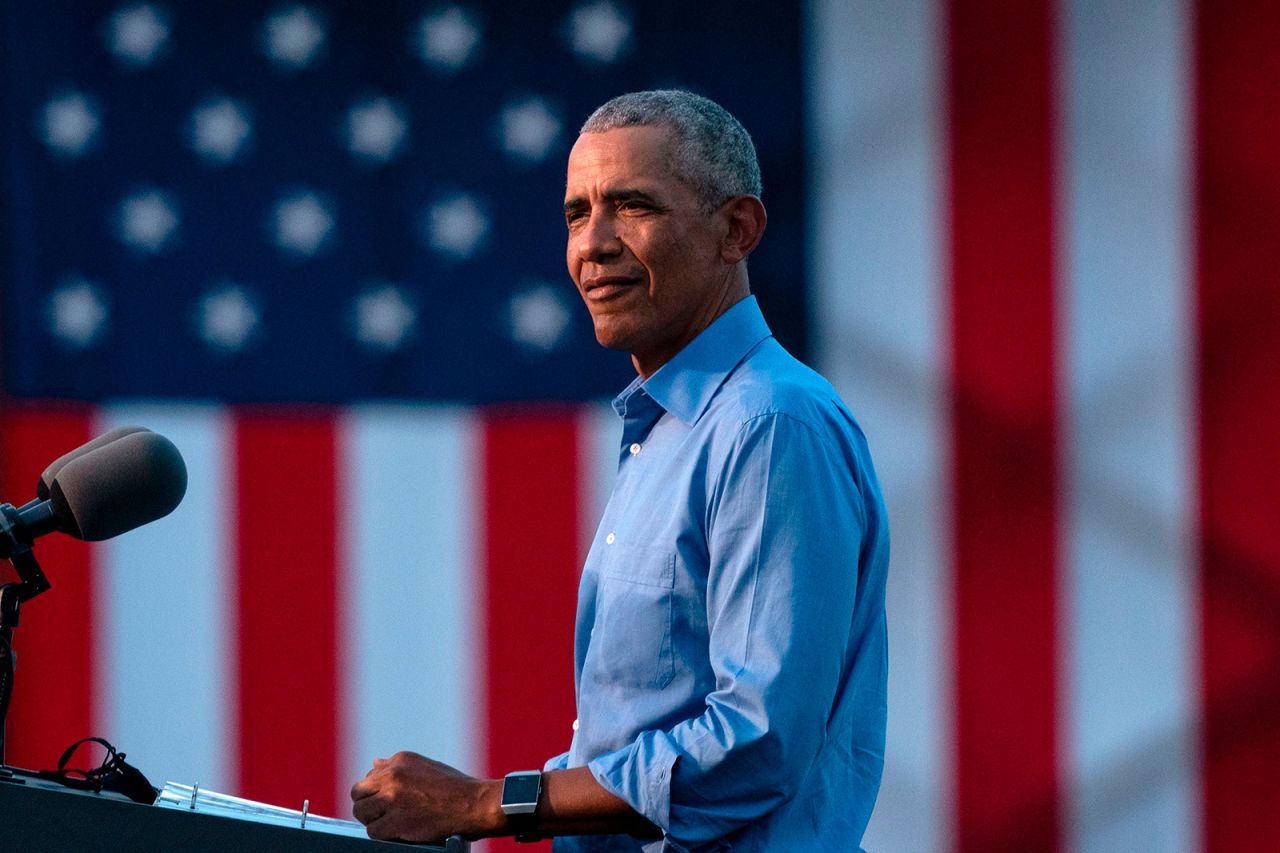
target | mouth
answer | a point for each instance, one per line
(606, 287)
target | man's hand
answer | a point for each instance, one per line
(411, 798)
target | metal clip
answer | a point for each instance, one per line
(195, 792)
(306, 807)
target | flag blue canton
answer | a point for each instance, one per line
(336, 201)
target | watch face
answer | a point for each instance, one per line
(521, 788)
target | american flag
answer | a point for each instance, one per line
(317, 246)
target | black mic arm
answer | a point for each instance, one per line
(17, 528)
(15, 545)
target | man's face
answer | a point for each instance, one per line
(642, 249)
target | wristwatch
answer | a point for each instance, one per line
(520, 792)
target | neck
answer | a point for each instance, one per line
(736, 290)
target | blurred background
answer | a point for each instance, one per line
(318, 246)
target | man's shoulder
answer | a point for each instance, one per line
(772, 382)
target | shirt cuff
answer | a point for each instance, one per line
(558, 762)
(640, 775)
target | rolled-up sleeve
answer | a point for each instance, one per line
(785, 520)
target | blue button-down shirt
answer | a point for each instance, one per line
(730, 649)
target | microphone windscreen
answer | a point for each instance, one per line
(46, 479)
(119, 486)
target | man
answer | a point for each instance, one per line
(730, 647)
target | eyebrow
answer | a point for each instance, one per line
(572, 205)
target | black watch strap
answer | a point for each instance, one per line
(525, 827)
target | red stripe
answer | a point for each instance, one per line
(1005, 489)
(54, 703)
(286, 522)
(531, 548)
(1238, 210)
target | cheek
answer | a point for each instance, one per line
(668, 263)
(572, 262)
(639, 249)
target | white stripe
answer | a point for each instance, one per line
(880, 321)
(1129, 632)
(599, 434)
(411, 567)
(163, 615)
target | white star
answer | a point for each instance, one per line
(538, 318)
(137, 34)
(147, 220)
(77, 313)
(599, 31)
(70, 123)
(375, 129)
(303, 222)
(293, 37)
(456, 226)
(448, 38)
(227, 318)
(383, 318)
(529, 129)
(219, 130)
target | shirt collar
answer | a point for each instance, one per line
(685, 385)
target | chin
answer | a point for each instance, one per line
(612, 343)
(609, 336)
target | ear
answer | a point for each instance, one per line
(745, 219)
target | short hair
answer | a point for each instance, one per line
(713, 151)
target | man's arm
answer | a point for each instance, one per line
(413, 798)
(780, 603)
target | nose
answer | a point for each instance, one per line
(597, 239)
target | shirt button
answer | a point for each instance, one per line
(608, 540)
(575, 725)
(635, 448)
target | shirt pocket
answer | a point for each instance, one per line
(633, 629)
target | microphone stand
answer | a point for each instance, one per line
(31, 582)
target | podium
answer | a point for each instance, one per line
(36, 815)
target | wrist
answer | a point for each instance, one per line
(488, 819)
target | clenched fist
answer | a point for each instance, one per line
(409, 797)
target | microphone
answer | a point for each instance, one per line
(46, 479)
(111, 485)
(99, 492)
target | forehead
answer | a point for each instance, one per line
(624, 154)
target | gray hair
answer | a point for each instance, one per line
(713, 151)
